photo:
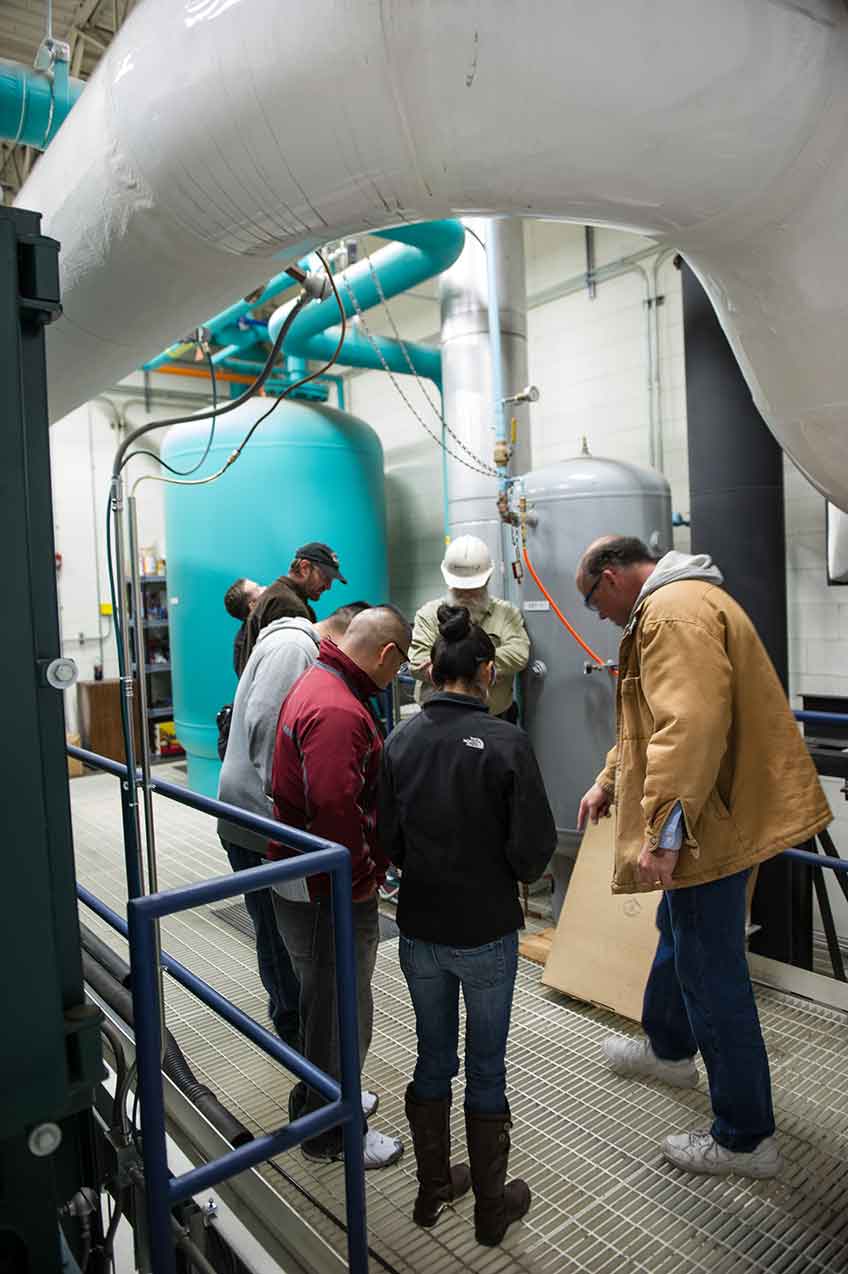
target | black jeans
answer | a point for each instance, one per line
(275, 967)
(309, 935)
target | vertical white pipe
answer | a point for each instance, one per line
(468, 375)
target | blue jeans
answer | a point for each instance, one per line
(434, 975)
(699, 997)
(275, 967)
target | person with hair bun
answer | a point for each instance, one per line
(462, 809)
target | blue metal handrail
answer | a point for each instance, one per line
(815, 860)
(822, 718)
(344, 1101)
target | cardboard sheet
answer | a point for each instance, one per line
(604, 943)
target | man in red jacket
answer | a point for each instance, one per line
(326, 765)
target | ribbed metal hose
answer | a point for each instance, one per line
(109, 985)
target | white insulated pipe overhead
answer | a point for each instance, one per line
(219, 139)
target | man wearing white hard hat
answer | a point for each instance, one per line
(466, 569)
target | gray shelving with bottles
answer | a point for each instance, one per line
(157, 649)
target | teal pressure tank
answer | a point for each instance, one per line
(309, 472)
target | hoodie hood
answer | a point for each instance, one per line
(672, 567)
(280, 625)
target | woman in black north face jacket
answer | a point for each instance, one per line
(462, 809)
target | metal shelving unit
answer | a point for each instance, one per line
(156, 638)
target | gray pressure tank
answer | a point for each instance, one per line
(569, 715)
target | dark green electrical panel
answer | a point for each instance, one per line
(50, 1049)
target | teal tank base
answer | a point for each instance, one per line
(310, 472)
(203, 774)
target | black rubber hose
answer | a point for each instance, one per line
(174, 1064)
(105, 956)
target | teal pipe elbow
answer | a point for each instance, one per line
(417, 253)
(33, 105)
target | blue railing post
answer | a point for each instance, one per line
(148, 1047)
(346, 1000)
(344, 1104)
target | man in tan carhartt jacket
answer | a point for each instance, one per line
(709, 776)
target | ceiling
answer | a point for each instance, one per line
(87, 25)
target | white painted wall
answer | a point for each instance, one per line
(82, 447)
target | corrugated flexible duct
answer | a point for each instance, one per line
(219, 139)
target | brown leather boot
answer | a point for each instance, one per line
(496, 1204)
(439, 1181)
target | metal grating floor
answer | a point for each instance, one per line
(586, 1141)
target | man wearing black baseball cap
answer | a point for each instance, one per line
(314, 568)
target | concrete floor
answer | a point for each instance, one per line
(586, 1141)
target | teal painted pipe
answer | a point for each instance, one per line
(229, 318)
(223, 355)
(338, 381)
(240, 309)
(358, 351)
(417, 253)
(278, 381)
(32, 104)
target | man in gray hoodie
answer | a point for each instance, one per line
(283, 651)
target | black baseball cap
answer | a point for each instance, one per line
(322, 555)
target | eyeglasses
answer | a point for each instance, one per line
(404, 654)
(587, 600)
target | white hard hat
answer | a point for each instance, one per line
(467, 563)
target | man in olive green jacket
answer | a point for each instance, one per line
(709, 776)
(466, 569)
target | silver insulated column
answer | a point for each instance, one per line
(467, 375)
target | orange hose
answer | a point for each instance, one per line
(560, 616)
(172, 369)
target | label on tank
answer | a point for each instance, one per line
(536, 606)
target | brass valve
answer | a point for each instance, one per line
(502, 454)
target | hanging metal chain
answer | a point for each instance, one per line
(478, 465)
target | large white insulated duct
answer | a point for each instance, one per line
(221, 137)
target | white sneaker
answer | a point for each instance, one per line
(379, 1150)
(700, 1152)
(636, 1057)
(370, 1102)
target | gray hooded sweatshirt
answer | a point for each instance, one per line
(283, 650)
(672, 567)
